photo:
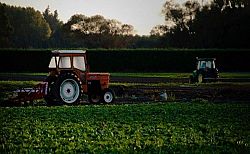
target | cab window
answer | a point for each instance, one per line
(53, 61)
(79, 63)
(64, 62)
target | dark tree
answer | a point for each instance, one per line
(29, 27)
(52, 20)
(5, 27)
(97, 32)
(55, 26)
(221, 24)
(224, 24)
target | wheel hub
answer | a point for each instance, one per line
(108, 97)
(69, 91)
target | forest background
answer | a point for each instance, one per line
(219, 24)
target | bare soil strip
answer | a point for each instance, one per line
(219, 92)
(176, 89)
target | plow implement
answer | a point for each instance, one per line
(27, 95)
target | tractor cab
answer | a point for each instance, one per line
(206, 70)
(68, 59)
(206, 63)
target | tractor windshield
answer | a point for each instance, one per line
(64, 62)
(205, 64)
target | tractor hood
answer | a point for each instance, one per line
(98, 76)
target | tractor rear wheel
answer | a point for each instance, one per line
(68, 89)
(200, 78)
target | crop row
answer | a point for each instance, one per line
(150, 128)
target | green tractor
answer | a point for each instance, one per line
(205, 71)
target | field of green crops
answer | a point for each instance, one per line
(197, 127)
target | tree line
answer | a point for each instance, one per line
(218, 24)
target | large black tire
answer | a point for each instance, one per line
(108, 96)
(50, 98)
(200, 78)
(68, 89)
(191, 79)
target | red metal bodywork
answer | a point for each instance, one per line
(102, 77)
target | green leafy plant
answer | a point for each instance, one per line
(141, 128)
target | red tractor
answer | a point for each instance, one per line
(69, 78)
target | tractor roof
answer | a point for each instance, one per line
(205, 59)
(69, 51)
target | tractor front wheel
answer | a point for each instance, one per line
(108, 96)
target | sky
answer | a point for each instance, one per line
(142, 14)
